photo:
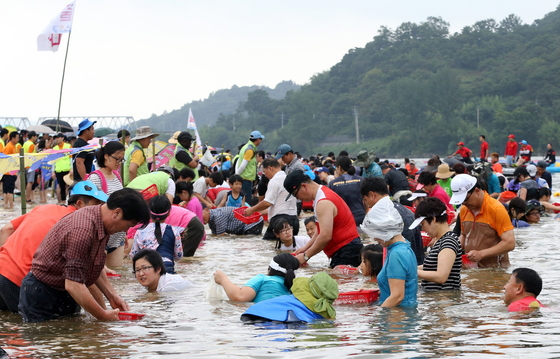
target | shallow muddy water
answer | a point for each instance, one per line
(471, 323)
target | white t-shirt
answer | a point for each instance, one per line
(170, 187)
(200, 186)
(276, 195)
(300, 242)
(172, 282)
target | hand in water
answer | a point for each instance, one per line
(475, 256)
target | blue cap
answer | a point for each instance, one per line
(282, 150)
(87, 188)
(523, 142)
(255, 135)
(84, 125)
(322, 169)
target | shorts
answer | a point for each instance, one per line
(9, 183)
(30, 175)
(39, 302)
(191, 236)
(115, 241)
(349, 254)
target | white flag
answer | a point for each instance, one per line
(50, 38)
(207, 159)
(191, 125)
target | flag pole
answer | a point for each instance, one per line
(62, 83)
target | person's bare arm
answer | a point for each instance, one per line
(83, 297)
(81, 167)
(109, 292)
(326, 211)
(5, 232)
(234, 292)
(446, 259)
(397, 293)
(261, 206)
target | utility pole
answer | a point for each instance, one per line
(282, 119)
(357, 126)
(233, 123)
(477, 117)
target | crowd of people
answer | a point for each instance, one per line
(55, 259)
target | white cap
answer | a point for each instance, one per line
(416, 195)
(383, 221)
(461, 185)
(532, 169)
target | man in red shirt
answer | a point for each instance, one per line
(464, 152)
(336, 233)
(511, 150)
(483, 148)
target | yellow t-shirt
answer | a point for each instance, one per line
(137, 157)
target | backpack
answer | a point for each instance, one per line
(103, 180)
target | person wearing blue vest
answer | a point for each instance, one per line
(246, 165)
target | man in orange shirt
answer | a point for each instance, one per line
(9, 181)
(486, 229)
(21, 237)
(4, 133)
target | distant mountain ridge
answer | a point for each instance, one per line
(207, 111)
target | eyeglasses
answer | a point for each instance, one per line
(286, 230)
(296, 191)
(534, 213)
(117, 159)
(140, 270)
(469, 194)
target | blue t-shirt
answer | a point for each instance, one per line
(232, 202)
(226, 165)
(399, 264)
(493, 184)
(267, 287)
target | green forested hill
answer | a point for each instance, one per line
(207, 111)
(417, 91)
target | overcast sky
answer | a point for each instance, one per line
(138, 57)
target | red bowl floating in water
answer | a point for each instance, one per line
(358, 296)
(130, 316)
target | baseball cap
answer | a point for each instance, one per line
(417, 195)
(84, 125)
(460, 143)
(322, 169)
(542, 164)
(511, 136)
(60, 134)
(282, 150)
(419, 220)
(293, 182)
(523, 142)
(87, 188)
(255, 135)
(461, 185)
(532, 169)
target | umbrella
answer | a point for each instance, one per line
(63, 127)
(103, 131)
(160, 145)
(40, 129)
(10, 128)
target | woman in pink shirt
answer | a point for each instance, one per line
(428, 180)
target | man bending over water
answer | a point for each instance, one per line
(71, 258)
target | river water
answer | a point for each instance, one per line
(471, 323)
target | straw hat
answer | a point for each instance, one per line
(69, 179)
(444, 172)
(144, 132)
(173, 139)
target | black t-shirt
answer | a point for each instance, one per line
(88, 157)
(183, 157)
(396, 180)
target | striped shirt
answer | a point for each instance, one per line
(113, 185)
(448, 240)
